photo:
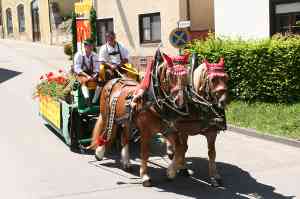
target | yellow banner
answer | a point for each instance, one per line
(83, 7)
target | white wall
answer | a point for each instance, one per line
(125, 14)
(242, 18)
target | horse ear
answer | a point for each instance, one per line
(168, 60)
(205, 62)
(221, 62)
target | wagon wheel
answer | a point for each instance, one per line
(73, 130)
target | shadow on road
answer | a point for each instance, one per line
(238, 183)
(6, 74)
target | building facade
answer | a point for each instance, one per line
(142, 25)
(256, 18)
(34, 20)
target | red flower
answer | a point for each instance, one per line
(49, 75)
(60, 80)
(42, 77)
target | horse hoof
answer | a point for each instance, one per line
(170, 156)
(220, 182)
(127, 168)
(147, 183)
(97, 158)
(214, 182)
(184, 172)
(99, 152)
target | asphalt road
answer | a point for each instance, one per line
(36, 164)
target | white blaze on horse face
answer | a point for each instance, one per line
(199, 78)
(219, 90)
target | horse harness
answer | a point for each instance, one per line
(202, 104)
(111, 105)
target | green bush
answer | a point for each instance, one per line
(260, 70)
(68, 49)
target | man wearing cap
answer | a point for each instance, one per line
(86, 69)
(112, 54)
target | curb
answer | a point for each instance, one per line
(253, 133)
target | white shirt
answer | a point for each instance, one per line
(106, 50)
(78, 61)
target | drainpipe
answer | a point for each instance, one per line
(209, 16)
(50, 24)
(2, 19)
(188, 13)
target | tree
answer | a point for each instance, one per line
(93, 21)
(74, 34)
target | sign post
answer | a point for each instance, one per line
(184, 24)
(179, 37)
(83, 8)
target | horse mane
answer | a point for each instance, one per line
(200, 77)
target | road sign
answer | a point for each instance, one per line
(184, 24)
(83, 7)
(179, 37)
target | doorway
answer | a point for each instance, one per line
(36, 33)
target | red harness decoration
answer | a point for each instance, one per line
(101, 141)
(215, 69)
(175, 66)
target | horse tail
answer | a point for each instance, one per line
(96, 133)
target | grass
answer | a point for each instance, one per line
(276, 119)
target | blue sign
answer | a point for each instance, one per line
(179, 37)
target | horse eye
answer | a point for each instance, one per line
(214, 80)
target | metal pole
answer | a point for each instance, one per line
(188, 12)
(50, 23)
(209, 16)
(2, 19)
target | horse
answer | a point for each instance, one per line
(168, 82)
(208, 91)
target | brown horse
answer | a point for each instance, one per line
(114, 105)
(209, 90)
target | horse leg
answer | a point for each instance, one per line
(125, 157)
(145, 142)
(215, 177)
(98, 129)
(183, 171)
(179, 142)
(170, 149)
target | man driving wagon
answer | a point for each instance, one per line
(86, 68)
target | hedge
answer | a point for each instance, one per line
(260, 70)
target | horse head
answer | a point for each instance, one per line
(174, 78)
(210, 81)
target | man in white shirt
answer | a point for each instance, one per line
(86, 68)
(112, 54)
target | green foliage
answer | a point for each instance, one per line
(93, 21)
(74, 34)
(55, 85)
(68, 49)
(260, 70)
(270, 118)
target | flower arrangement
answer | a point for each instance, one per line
(57, 85)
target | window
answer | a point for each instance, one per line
(21, 18)
(286, 17)
(10, 28)
(103, 26)
(150, 28)
(288, 23)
